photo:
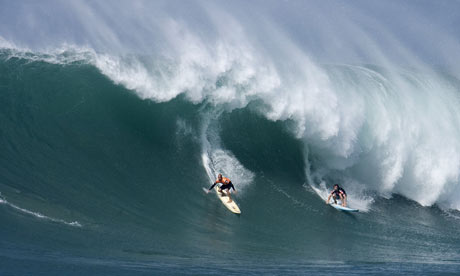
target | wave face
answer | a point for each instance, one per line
(106, 144)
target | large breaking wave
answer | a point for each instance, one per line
(377, 130)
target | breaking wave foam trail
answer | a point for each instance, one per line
(379, 130)
(217, 160)
(37, 214)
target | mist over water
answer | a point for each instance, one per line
(284, 97)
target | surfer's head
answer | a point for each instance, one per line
(336, 186)
(219, 176)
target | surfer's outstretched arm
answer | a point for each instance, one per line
(328, 198)
(212, 186)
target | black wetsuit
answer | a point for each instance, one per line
(228, 186)
(338, 192)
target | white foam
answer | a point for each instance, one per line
(64, 54)
(220, 73)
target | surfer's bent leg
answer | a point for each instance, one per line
(228, 191)
(228, 194)
(335, 197)
(227, 188)
(342, 198)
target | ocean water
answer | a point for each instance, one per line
(104, 151)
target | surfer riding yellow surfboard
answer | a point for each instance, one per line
(226, 186)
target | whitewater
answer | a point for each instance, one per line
(110, 128)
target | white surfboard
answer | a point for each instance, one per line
(323, 193)
(232, 206)
(341, 208)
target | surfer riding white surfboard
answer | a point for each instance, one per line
(226, 186)
(223, 193)
(338, 194)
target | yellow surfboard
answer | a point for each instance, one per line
(230, 206)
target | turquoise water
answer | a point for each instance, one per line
(95, 179)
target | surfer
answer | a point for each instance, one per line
(226, 186)
(338, 193)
